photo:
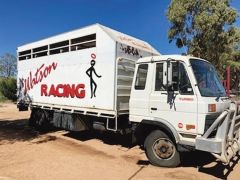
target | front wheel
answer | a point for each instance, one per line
(160, 150)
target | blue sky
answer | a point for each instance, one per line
(24, 21)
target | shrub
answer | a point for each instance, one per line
(8, 88)
(2, 98)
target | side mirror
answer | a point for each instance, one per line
(167, 74)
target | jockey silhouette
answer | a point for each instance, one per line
(93, 84)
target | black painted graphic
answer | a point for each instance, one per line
(130, 50)
(90, 73)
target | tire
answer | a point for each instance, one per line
(39, 120)
(33, 117)
(160, 150)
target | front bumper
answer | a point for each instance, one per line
(222, 137)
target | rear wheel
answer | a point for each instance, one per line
(40, 119)
(160, 150)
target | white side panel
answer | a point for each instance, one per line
(67, 83)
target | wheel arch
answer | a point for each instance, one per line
(147, 126)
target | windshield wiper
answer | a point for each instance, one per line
(218, 97)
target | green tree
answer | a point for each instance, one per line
(8, 88)
(206, 28)
(8, 65)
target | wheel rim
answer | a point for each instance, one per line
(163, 148)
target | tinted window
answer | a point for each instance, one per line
(159, 78)
(175, 76)
(180, 79)
(208, 81)
(141, 77)
(184, 82)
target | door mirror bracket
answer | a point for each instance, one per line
(168, 73)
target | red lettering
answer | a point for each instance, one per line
(52, 91)
(31, 82)
(34, 78)
(41, 76)
(72, 92)
(59, 94)
(26, 84)
(80, 94)
(43, 90)
(54, 65)
(68, 90)
(45, 73)
(36, 74)
(64, 90)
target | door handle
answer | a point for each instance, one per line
(153, 108)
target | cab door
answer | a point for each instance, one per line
(140, 92)
(177, 103)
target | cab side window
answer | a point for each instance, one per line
(175, 76)
(180, 79)
(141, 77)
(159, 78)
(184, 86)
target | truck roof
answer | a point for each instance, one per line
(115, 35)
(165, 57)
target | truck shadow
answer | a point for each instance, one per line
(219, 170)
(16, 130)
(12, 131)
(216, 168)
(204, 163)
(109, 138)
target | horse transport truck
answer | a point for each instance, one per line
(98, 78)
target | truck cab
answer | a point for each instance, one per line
(176, 100)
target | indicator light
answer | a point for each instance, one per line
(190, 126)
(212, 108)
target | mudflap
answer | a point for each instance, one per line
(68, 121)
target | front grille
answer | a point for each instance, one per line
(209, 119)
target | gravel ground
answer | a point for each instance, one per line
(28, 154)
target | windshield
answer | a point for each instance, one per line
(208, 81)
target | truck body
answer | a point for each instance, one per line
(57, 72)
(98, 78)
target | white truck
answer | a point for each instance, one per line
(98, 78)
